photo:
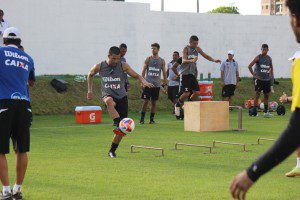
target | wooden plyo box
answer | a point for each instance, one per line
(203, 116)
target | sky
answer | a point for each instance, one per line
(246, 7)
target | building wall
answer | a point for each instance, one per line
(69, 37)
(270, 7)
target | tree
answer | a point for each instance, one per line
(226, 9)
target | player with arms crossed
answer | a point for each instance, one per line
(114, 94)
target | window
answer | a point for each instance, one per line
(279, 8)
(267, 7)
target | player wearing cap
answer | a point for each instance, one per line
(15, 110)
(153, 67)
(188, 70)
(263, 75)
(230, 77)
(114, 94)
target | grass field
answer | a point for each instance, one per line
(69, 161)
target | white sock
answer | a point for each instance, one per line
(298, 162)
(17, 188)
(6, 189)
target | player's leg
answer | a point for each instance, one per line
(144, 110)
(122, 109)
(154, 99)
(153, 111)
(21, 142)
(266, 103)
(296, 171)
(267, 91)
(195, 96)
(146, 95)
(6, 116)
(184, 91)
(194, 87)
(257, 96)
(111, 108)
(4, 176)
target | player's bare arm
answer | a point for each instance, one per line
(135, 75)
(207, 57)
(222, 78)
(165, 73)
(250, 67)
(185, 57)
(237, 78)
(285, 98)
(271, 69)
(174, 68)
(145, 67)
(90, 77)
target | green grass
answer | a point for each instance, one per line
(46, 101)
(69, 161)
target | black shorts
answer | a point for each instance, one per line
(228, 90)
(122, 106)
(173, 92)
(151, 93)
(264, 86)
(15, 122)
(188, 83)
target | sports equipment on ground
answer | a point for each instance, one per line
(265, 139)
(229, 143)
(193, 145)
(149, 148)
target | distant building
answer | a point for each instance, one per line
(273, 7)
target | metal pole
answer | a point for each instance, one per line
(198, 10)
(162, 5)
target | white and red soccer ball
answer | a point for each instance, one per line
(127, 125)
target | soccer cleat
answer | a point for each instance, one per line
(5, 196)
(142, 122)
(152, 122)
(112, 154)
(295, 172)
(268, 115)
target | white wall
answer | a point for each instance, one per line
(70, 36)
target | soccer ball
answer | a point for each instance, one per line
(273, 106)
(127, 125)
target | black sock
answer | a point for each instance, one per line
(143, 116)
(152, 116)
(179, 103)
(266, 108)
(117, 121)
(113, 147)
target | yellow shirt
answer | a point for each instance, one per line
(296, 84)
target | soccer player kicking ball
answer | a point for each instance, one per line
(263, 75)
(114, 94)
(188, 72)
(153, 67)
(289, 140)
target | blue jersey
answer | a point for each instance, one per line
(15, 68)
